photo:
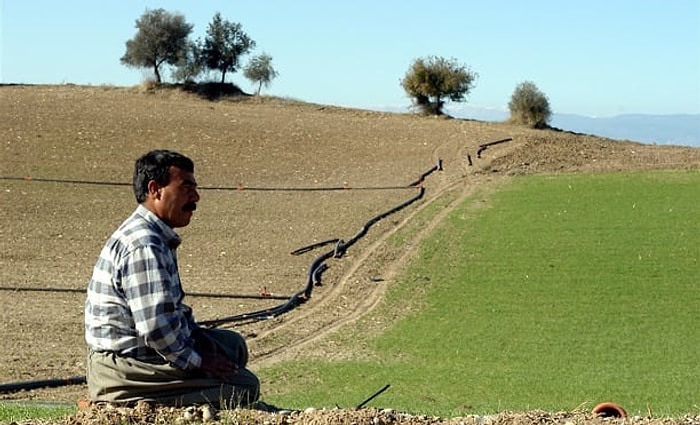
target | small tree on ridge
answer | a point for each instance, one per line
(224, 45)
(190, 65)
(259, 70)
(529, 106)
(429, 81)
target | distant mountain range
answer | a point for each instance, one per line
(660, 129)
(678, 129)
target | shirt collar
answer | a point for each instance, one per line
(171, 238)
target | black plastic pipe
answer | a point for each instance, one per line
(41, 383)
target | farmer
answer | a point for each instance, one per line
(144, 343)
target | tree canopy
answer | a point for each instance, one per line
(529, 106)
(190, 65)
(224, 45)
(259, 70)
(162, 37)
(429, 81)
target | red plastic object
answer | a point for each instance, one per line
(609, 410)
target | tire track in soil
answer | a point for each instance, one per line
(324, 323)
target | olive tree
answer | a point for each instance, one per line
(190, 65)
(259, 70)
(162, 37)
(432, 80)
(224, 45)
(529, 106)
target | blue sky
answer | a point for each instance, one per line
(593, 57)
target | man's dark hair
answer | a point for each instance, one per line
(155, 165)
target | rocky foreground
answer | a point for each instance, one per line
(266, 415)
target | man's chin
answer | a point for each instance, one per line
(184, 220)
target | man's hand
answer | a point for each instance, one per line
(215, 363)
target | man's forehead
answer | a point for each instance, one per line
(180, 174)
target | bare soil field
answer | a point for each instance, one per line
(276, 175)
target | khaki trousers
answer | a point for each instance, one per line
(117, 379)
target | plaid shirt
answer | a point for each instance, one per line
(134, 300)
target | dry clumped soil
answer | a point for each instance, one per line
(276, 175)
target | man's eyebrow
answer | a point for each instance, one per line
(189, 182)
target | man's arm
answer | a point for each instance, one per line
(150, 292)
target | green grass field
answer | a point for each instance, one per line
(555, 293)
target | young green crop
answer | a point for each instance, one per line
(565, 292)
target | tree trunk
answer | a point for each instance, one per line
(157, 73)
(259, 87)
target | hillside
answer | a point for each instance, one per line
(276, 175)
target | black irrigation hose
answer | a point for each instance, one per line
(318, 265)
(313, 277)
(372, 397)
(41, 383)
(300, 189)
(314, 246)
(483, 146)
(227, 188)
(189, 294)
(316, 274)
(38, 289)
(365, 228)
(254, 316)
(91, 182)
(437, 167)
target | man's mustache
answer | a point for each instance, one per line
(190, 206)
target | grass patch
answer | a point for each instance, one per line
(13, 412)
(567, 291)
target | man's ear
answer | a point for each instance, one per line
(153, 189)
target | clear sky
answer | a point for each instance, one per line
(590, 57)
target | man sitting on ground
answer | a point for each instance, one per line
(143, 341)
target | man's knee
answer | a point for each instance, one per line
(233, 344)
